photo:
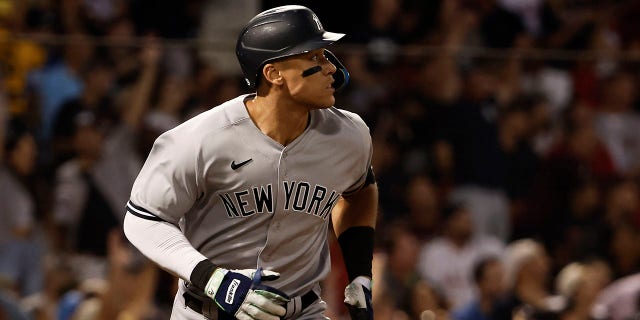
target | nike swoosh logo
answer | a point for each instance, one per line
(235, 165)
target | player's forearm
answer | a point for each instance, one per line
(354, 220)
(164, 244)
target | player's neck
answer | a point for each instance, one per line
(280, 122)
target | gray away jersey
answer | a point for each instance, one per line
(243, 200)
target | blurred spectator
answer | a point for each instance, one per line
(96, 97)
(590, 28)
(366, 94)
(621, 201)
(10, 308)
(56, 82)
(480, 161)
(617, 123)
(579, 284)
(4, 120)
(18, 57)
(91, 187)
(392, 181)
(423, 202)
(488, 278)
(499, 27)
(467, 100)
(218, 33)
(527, 272)
(400, 289)
(624, 247)
(128, 290)
(620, 298)
(543, 132)
(447, 261)
(379, 32)
(124, 58)
(576, 156)
(515, 138)
(59, 279)
(85, 199)
(21, 248)
(551, 82)
(582, 232)
(538, 16)
(167, 111)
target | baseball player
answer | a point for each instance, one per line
(237, 201)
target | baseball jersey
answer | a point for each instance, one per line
(244, 200)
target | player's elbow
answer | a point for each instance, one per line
(131, 228)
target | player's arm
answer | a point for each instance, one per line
(163, 243)
(354, 219)
(163, 192)
(167, 246)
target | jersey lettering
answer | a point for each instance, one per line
(300, 201)
(329, 205)
(318, 195)
(229, 205)
(287, 192)
(263, 199)
(243, 203)
(299, 197)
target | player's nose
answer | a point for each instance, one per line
(330, 67)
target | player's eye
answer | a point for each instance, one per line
(319, 57)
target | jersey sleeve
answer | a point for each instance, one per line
(365, 153)
(167, 185)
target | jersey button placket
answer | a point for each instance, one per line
(283, 167)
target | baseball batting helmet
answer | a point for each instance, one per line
(281, 32)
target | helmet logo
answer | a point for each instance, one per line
(315, 18)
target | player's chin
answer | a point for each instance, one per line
(326, 103)
(328, 100)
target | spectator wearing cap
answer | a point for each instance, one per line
(448, 260)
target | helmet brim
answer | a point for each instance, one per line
(332, 36)
(327, 38)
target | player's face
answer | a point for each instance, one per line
(310, 88)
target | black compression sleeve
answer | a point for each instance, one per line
(357, 250)
(201, 273)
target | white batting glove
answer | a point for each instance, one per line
(241, 294)
(357, 298)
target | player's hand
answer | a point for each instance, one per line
(357, 298)
(241, 294)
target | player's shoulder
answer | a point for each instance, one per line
(211, 121)
(345, 117)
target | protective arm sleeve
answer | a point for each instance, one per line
(163, 243)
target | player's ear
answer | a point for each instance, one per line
(272, 74)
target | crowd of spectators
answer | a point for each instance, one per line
(506, 148)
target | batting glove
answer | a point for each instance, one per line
(241, 294)
(357, 298)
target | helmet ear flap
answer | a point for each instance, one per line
(341, 76)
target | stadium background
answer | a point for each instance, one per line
(521, 114)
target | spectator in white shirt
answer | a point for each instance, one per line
(447, 261)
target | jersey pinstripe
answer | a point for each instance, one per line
(244, 200)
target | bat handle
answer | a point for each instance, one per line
(257, 276)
